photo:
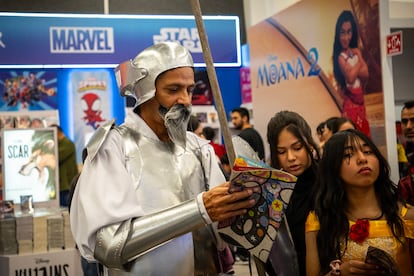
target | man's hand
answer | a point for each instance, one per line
(221, 205)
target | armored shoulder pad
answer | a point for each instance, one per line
(98, 138)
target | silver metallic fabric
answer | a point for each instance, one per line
(119, 244)
(137, 77)
(98, 138)
(166, 179)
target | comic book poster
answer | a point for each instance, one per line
(30, 165)
(257, 229)
(24, 90)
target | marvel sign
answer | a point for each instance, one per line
(394, 44)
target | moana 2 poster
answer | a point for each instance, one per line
(320, 58)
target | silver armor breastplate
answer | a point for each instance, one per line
(161, 170)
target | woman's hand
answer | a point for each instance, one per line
(355, 267)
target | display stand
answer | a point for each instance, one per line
(40, 243)
(60, 262)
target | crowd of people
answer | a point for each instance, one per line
(152, 190)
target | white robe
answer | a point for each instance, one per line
(112, 189)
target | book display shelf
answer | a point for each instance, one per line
(38, 242)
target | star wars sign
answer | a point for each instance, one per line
(394, 44)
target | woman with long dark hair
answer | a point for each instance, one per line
(357, 210)
(293, 150)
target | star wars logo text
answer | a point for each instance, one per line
(77, 40)
(187, 37)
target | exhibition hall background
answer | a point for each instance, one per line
(395, 15)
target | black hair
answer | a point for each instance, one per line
(224, 160)
(409, 104)
(209, 133)
(331, 199)
(57, 127)
(331, 122)
(320, 128)
(345, 16)
(340, 121)
(193, 123)
(295, 124)
(244, 112)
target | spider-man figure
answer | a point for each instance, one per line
(91, 105)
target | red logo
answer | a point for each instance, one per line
(394, 44)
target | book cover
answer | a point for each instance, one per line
(382, 259)
(256, 230)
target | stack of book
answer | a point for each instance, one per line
(8, 242)
(24, 233)
(39, 233)
(69, 240)
(55, 236)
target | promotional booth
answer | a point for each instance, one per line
(58, 69)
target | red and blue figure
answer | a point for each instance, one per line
(91, 106)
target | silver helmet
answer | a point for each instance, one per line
(137, 77)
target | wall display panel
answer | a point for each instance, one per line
(293, 66)
(28, 90)
(88, 99)
(75, 40)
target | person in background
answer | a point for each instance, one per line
(319, 131)
(407, 126)
(194, 125)
(350, 70)
(241, 121)
(343, 123)
(225, 165)
(149, 190)
(357, 206)
(406, 182)
(326, 131)
(68, 168)
(403, 164)
(293, 150)
(210, 134)
(329, 129)
(333, 125)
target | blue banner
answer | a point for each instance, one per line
(73, 41)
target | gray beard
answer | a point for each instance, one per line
(175, 120)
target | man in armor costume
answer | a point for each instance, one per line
(148, 185)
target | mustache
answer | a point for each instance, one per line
(175, 120)
(176, 114)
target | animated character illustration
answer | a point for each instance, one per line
(91, 106)
(43, 162)
(25, 90)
